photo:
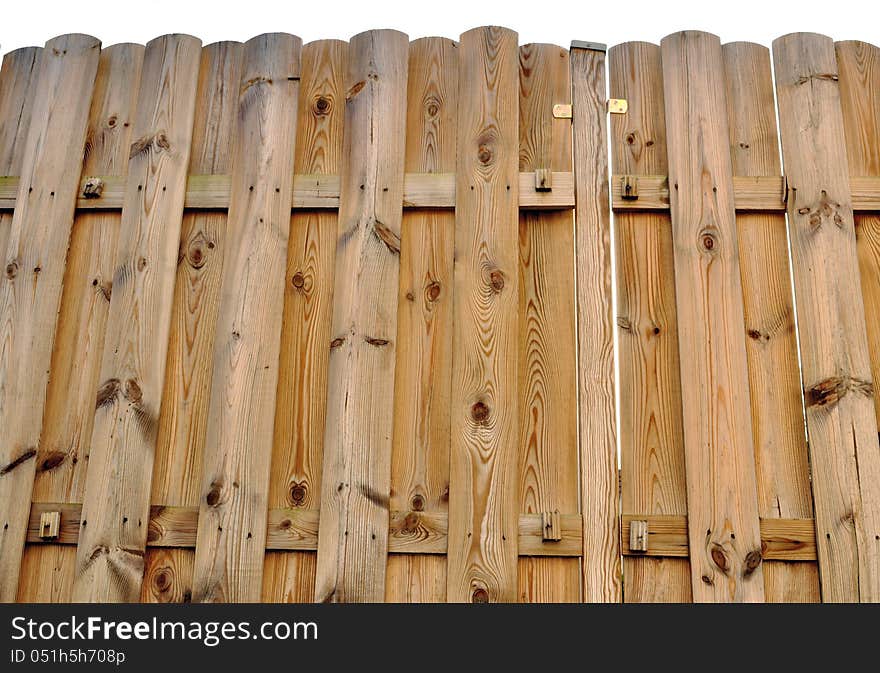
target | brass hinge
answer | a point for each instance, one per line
(561, 111)
(617, 106)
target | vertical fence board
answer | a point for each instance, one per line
(231, 540)
(177, 472)
(836, 368)
(301, 406)
(783, 471)
(62, 460)
(18, 77)
(423, 376)
(353, 536)
(859, 65)
(547, 373)
(30, 291)
(115, 514)
(651, 434)
(600, 483)
(725, 542)
(483, 474)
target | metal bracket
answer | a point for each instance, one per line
(617, 106)
(592, 46)
(561, 111)
(50, 525)
(638, 536)
(552, 530)
(629, 187)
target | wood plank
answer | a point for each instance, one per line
(781, 540)
(300, 410)
(238, 447)
(18, 75)
(859, 68)
(30, 292)
(835, 362)
(719, 451)
(110, 562)
(783, 471)
(423, 375)
(751, 193)
(600, 502)
(177, 471)
(548, 449)
(484, 505)
(47, 575)
(353, 543)
(651, 434)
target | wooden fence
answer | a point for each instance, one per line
(253, 287)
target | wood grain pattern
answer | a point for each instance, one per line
(235, 484)
(600, 501)
(300, 409)
(783, 471)
(547, 355)
(835, 363)
(47, 574)
(30, 290)
(722, 502)
(177, 471)
(651, 434)
(18, 75)
(423, 376)
(353, 542)
(483, 474)
(116, 502)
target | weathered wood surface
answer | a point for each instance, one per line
(423, 375)
(300, 410)
(547, 380)
(34, 263)
(235, 485)
(177, 472)
(110, 562)
(835, 364)
(483, 472)
(783, 472)
(600, 484)
(651, 435)
(47, 574)
(353, 541)
(719, 454)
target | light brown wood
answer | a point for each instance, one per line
(782, 539)
(177, 471)
(483, 501)
(356, 487)
(423, 375)
(47, 574)
(33, 270)
(651, 435)
(18, 84)
(783, 472)
(238, 447)
(835, 363)
(751, 192)
(300, 409)
(548, 453)
(109, 562)
(719, 452)
(600, 483)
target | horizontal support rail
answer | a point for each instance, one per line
(781, 539)
(210, 192)
(426, 532)
(760, 193)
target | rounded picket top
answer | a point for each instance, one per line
(384, 34)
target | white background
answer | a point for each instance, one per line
(32, 22)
